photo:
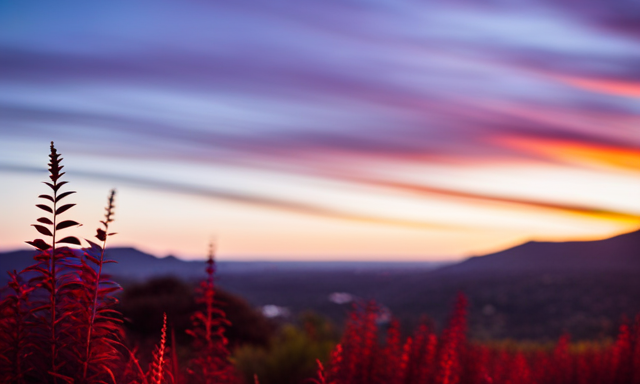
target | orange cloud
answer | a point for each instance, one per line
(592, 212)
(573, 152)
(605, 86)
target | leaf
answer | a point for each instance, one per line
(94, 248)
(62, 317)
(63, 377)
(68, 284)
(42, 256)
(106, 291)
(45, 208)
(64, 208)
(39, 243)
(56, 187)
(70, 240)
(58, 173)
(44, 220)
(46, 197)
(91, 258)
(41, 308)
(113, 378)
(63, 195)
(67, 224)
(101, 235)
(42, 229)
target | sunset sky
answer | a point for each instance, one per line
(325, 129)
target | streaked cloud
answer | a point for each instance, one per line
(606, 86)
(369, 111)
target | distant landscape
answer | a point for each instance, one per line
(534, 291)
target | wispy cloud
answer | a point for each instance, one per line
(335, 90)
(243, 198)
(606, 86)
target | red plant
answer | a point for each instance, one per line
(635, 358)
(62, 327)
(427, 359)
(421, 354)
(15, 340)
(452, 345)
(394, 351)
(211, 362)
(319, 373)
(99, 325)
(157, 369)
(52, 276)
(59, 327)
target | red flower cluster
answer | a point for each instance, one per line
(426, 358)
(211, 364)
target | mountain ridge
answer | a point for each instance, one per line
(620, 252)
(133, 264)
(536, 290)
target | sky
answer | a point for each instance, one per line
(324, 130)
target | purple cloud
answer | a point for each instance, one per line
(298, 87)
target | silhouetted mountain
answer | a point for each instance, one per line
(15, 261)
(131, 264)
(619, 253)
(134, 265)
(536, 290)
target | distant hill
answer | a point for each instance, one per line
(619, 253)
(536, 290)
(134, 265)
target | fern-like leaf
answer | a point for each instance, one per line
(156, 371)
(211, 364)
(54, 278)
(100, 323)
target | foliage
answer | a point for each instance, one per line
(142, 306)
(211, 362)
(291, 356)
(450, 358)
(61, 325)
